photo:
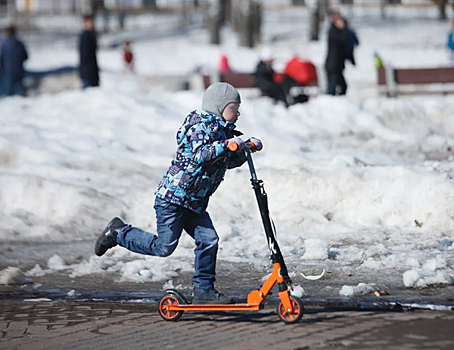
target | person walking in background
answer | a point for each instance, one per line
(88, 69)
(335, 60)
(352, 42)
(12, 57)
(450, 44)
(128, 56)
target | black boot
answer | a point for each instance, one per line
(210, 296)
(108, 237)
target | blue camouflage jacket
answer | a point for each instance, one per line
(201, 161)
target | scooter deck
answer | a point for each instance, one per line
(213, 307)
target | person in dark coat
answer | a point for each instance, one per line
(89, 71)
(12, 57)
(264, 77)
(335, 60)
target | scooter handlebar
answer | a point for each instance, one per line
(233, 146)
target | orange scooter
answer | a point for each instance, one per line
(290, 309)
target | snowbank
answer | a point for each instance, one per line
(359, 179)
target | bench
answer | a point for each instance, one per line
(33, 79)
(391, 80)
(247, 80)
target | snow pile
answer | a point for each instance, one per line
(360, 289)
(298, 291)
(36, 271)
(56, 263)
(316, 249)
(432, 272)
(141, 270)
(71, 294)
(13, 275)
(169, 285)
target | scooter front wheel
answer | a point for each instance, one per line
(293, 316)
(170, 299)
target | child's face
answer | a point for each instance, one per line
(231, 112)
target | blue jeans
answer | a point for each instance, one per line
(88, 83)
(171, 220)
(336, 79)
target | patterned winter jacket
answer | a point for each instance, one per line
(201, 161)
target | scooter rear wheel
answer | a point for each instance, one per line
(293, 316)
(170, 299)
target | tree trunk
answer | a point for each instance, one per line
(315, 23)
(214, 22)
(324, 9)
(73, 6)
(383, 9)
(249, 22)
(442, 10)
(223, 11)
(12, 11)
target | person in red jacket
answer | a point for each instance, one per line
(224, 66)
(128, 56)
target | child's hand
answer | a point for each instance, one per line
(235, 144)
(258, 145)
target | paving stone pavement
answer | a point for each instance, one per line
(90, 325)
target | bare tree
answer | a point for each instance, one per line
(214, 22)
(250, 21)
(318, 15)
(383, 9)
(12, 11)
(442, 9)
(315, 22)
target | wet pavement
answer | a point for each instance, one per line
(37, 325)
(96, 312)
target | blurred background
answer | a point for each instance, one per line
(250, 27)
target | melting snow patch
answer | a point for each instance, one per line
(55, 262)
(13, 275)
(152, 270)
(316, 249)
(71, 293)
(298, 291)
(169, 285)
(445, 245)
(360, 289)
(433, 271)
(371, 263)
(36, 271)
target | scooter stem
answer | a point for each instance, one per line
(262, 201)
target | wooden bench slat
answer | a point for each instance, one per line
(440, 75)
(414, 76)
(245, 80)
(425, 76)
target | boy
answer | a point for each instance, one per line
(202, 158)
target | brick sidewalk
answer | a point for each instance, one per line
(79, 325)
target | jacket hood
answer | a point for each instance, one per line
(198, 116)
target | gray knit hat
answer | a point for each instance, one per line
(219, 95)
